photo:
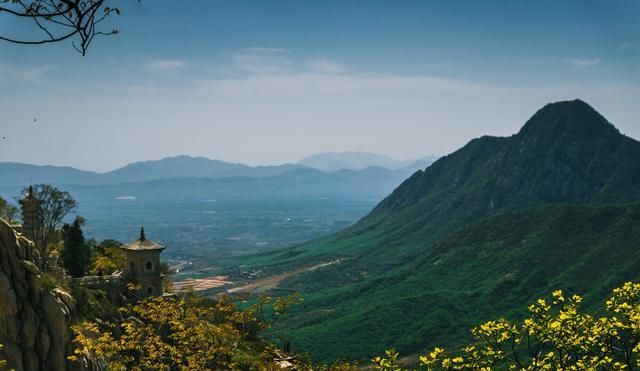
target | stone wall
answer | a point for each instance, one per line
(112, 285)
(34, 321)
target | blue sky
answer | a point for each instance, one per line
(266, 82)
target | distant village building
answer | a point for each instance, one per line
(143, 265)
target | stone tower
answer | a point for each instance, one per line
(143, 265)
(31, 217)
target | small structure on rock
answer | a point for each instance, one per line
(143, 265)
(31, 217)
(142, 258)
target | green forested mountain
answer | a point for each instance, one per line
(482, 230)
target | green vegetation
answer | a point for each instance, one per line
(53, 206)
(477, 273)
(198, 334)
(106, 257)
(75, 252)
(188, 333)
(8, 211)
(555, 336)
(483, 230)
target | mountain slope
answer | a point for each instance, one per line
(566, 153)
(491, 175)
(488, 270)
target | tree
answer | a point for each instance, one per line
(182, 333)
(59, 20)
(556, 336)
(106, 258)
(54, 205)
(8, 211)
(75, 253)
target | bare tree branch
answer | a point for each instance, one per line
(61, 20)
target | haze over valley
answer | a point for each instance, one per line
(206, 208)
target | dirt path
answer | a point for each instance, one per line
(271, 282)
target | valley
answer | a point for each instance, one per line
(204, 220)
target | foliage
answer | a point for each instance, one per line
(3, 363)
(54, 206)
(75, 253)
(106, 258)
(476, 273)
(181, 333)
(555, 336)
(8, 211)
(94, 303)
(49, 282)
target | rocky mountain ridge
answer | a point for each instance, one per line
(34, 320)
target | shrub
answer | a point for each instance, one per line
(555, 336)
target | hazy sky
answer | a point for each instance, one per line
(266, 82)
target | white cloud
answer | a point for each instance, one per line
(294, 85)
(279, 109)
(323, 65)
(262, 61)
(583, 62)
(165, 65)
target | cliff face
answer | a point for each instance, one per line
(34, 321)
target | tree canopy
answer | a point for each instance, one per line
(54, 205)
(75, 252)
(8, 211)
(187, 333)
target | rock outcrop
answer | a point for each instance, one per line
(34, 320)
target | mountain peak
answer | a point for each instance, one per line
(575, 117)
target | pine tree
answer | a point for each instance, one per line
(75, 253)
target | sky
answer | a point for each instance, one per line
(270, 82)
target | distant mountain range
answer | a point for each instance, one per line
(333, 161)
(16, 174)
(208, 207)
(482, 230)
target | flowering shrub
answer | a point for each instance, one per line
(556, 336)
(186, 333)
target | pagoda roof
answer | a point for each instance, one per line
(142, 244)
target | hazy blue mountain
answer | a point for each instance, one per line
(173, 167)
(333, 161)
(190, 167)
(15, 174)
(208, 216)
